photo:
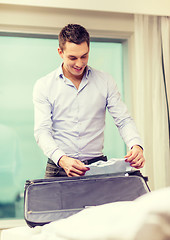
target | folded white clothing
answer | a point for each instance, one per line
(113, 165)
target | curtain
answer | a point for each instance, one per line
(150, 96)
(165, 37)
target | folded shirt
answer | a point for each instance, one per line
(113, 165)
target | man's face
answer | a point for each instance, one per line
(75, 58)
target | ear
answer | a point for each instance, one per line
(60, 52)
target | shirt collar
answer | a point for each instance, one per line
(59, 72)
(87, 72)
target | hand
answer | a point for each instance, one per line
(135, 157)
(72, 167)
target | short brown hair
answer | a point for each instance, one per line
(73, 33)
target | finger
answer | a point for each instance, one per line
(72, 174)
(80, 166)
(138, 163)
(135, 164)
(80, 163)
(142, 165)
(132, 158)
(77, 170)
(83, 166)
(76, 173)
(128, 154)
(127, 157)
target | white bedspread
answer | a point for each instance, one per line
(146, 218)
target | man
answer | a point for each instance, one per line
(70, 105)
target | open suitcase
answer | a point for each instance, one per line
(47, 200)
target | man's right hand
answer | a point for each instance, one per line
(72, 167)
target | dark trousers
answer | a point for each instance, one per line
(52, 170)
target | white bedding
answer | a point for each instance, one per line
(146, 218)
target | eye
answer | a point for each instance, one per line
(84, 56)
(72, 58)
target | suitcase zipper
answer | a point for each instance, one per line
(53, 211)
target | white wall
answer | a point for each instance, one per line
(49, 20)
(153, 7)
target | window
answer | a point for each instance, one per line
(23, 60)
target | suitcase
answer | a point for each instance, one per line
(48, 200)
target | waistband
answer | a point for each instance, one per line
(96, 159)
(86, 162)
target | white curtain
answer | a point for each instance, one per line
(149, 95)
(165, 37)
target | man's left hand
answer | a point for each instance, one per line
(135, 157)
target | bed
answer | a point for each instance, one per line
(146, 218)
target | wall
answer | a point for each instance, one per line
(50, 20)
(155, 7)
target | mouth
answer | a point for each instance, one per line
(77, 69)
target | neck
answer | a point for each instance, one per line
(76, 80)
(71, 76)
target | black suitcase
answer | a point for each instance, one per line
(47, 200)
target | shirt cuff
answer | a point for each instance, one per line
(138, 146)
(56, 156)
(135, 142)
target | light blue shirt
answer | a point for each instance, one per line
(71, 121)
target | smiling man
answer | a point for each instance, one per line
(70, 105)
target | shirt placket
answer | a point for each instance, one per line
(77, 115)
(78, 124)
